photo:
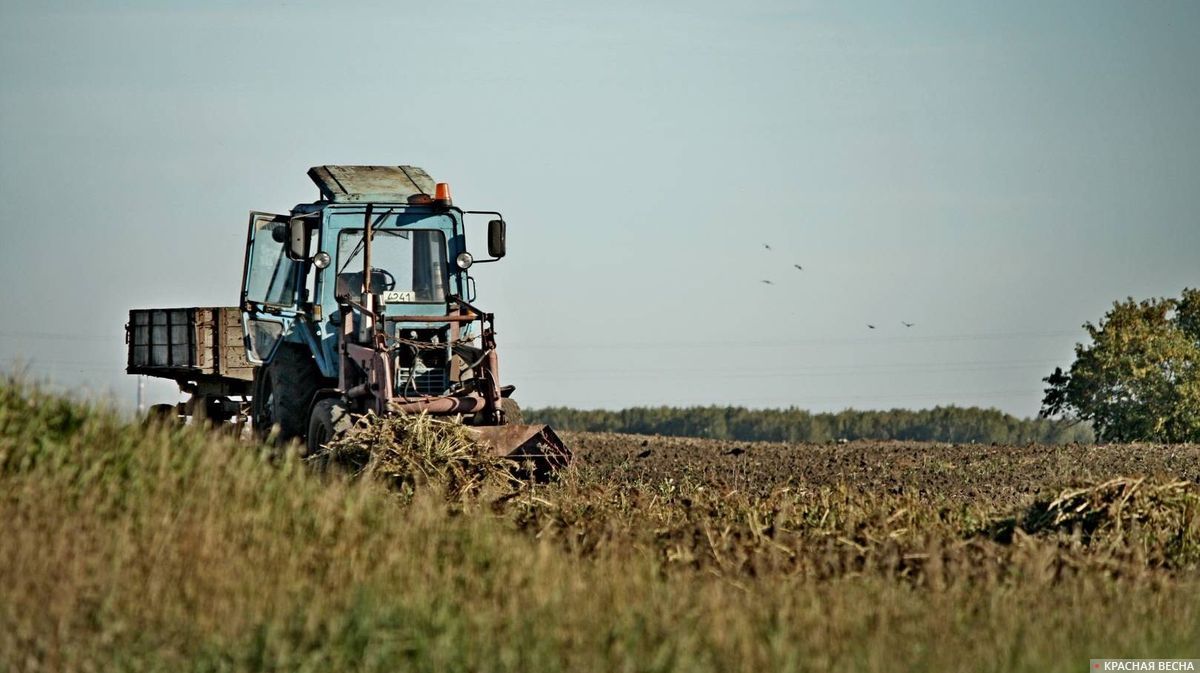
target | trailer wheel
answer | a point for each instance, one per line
(282, 391)
(330, 419)
(162, 414)
(512, 411)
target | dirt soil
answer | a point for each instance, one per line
(1000, 475)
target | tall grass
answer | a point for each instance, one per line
(129, 548)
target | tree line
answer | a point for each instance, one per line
(942, 424)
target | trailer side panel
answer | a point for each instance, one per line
(194, 344)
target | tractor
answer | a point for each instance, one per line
(361, 302)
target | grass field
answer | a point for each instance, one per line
(150, 549)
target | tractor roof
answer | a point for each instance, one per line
(363, 184)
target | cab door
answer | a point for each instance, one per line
(270, 286)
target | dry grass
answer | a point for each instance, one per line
(150, 549)
(411, 452)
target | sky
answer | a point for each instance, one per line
(996, 174)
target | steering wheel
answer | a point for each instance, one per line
(389, 281)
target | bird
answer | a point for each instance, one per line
(644, 454)
(870, 325)
(798, 267)
(735, 451)
(768, 247)
(767, 282)
(645, 442)
(906, 324)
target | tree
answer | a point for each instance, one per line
(1139, 379)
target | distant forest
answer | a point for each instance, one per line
(942, 424)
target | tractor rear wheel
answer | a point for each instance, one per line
(282, 391)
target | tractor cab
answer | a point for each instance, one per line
(314, 264)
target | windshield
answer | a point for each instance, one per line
(407, 265)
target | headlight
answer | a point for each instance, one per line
(464, 260)
(321, 260)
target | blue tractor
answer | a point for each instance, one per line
(359, 303)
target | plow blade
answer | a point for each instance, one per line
(537, 448)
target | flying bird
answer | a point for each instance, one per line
(766, 246)
(798, 267)
(767, 282)
(870, 325)
(906, 324)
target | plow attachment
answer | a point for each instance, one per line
(536, 448)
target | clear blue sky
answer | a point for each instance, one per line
(995, 173)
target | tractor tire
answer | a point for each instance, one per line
(330, 419)
(512, 411)
(283, 390)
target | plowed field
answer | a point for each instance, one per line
(1001, 476)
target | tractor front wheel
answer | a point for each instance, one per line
(330, 420)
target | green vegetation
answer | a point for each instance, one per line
(941, 424)
(151, 549)
(1139, 379)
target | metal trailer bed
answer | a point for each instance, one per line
(201, 348)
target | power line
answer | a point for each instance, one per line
(62, 364)
(777, 372)
(120, 338)
(782, 402)
(672, 344)
(661, 344)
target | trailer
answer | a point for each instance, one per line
(200, 348)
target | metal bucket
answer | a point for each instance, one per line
(537, 449)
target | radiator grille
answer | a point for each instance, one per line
(421, 380)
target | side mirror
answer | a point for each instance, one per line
(496, 238)
(298, 239)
